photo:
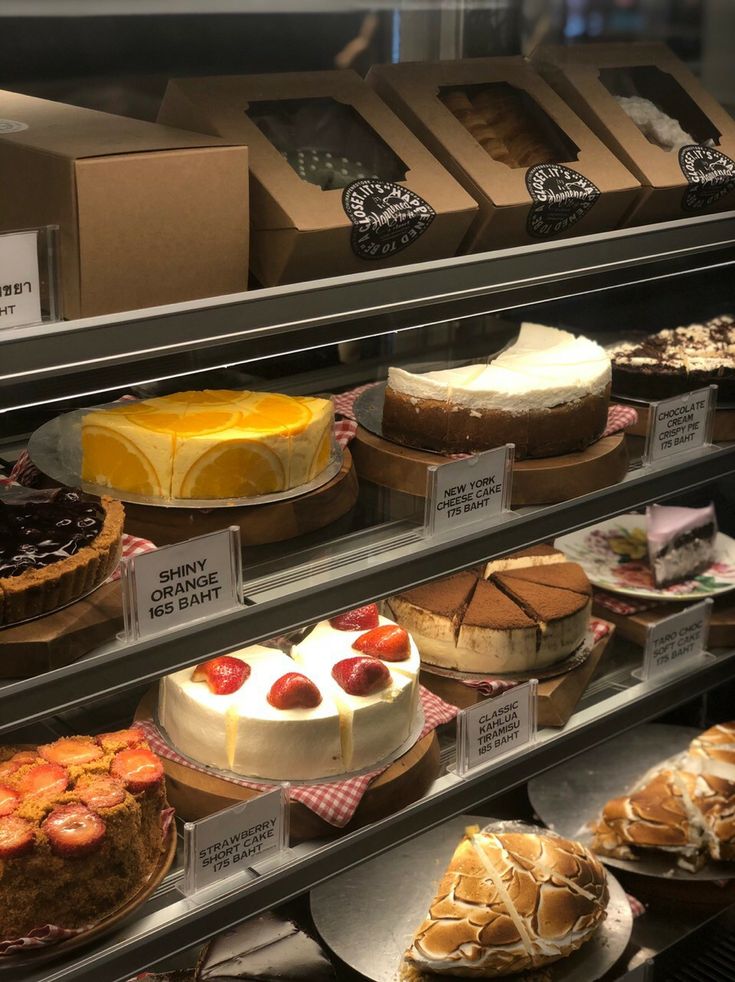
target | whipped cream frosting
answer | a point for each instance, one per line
(545, 367)
(666, 522)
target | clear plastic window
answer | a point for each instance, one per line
(327, 143)
(509, 124)
(662, 110)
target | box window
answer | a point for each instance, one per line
(327, 143)
(662, 110)
(509, 124)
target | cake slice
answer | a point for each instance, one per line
(496, 635)
(562, 576)
(681, 542)
(538, 555)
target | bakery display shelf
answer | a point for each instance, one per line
(117, 8)
(98, 354)
(169, 922)
(343, 574)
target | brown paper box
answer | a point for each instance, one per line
(676, 184)
(589, 192)
(300, 231)
(148, 214)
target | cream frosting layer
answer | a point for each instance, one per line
(545, 367)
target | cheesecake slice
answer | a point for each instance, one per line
(561, 576)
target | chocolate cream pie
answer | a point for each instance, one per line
(55, 546)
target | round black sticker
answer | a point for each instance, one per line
(386, 217)
(560, 198)
(709, 173)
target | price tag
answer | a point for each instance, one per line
(496, 727)
(181, 583)
(680, 424)
(676, 640)
(467, 492)
(20, 291)
(235, 841)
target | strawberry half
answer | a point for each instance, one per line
(16, 837)
(294, 691)
(101, 791)
(138, 768)
(44, 781)
(71, 751)
(389, 643)
(359, 619)
(8, 800)
(361, 676)
(223, 675)
(73, 830)
(15, 763)
(119, 739)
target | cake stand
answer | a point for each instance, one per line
(540, 481)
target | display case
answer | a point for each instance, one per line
(284, 460)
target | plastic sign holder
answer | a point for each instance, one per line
(181, 583)
(29, 288)
(496, 727)
(676, 642)
(467, 492)
(680, 424)
(243, 840)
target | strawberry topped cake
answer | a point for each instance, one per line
(81, 829)
(342, 699)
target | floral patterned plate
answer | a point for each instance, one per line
(614, 556)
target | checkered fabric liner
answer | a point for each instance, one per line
(622, 605)
(336, 802)
(494, 687)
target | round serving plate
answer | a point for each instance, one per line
(31, 957)
(56, 450)
(614, 556)
(387, 898)
(570, 797)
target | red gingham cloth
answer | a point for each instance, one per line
(337, 802)
(494, 687)
(623, 605)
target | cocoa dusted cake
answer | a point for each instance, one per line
(548, 393)
(677, 360)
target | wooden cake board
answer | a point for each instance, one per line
(195, 794)
(634, 627)
(556, 700)
(724, 428)
(544, 481)
(60, 638)
(259, 524)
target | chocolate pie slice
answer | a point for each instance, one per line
(55, 546)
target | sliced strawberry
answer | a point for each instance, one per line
(361, 676)
(223, 675)
(15, 762)
(138, 768)
(294, 691)
(359, 619)
(8, 800)
(119, 739)
(44, 781)
(102, 791)
(71, 751)
(73, 830)
(16, 837)
(389, 643)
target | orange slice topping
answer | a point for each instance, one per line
(118, 462)
(233, 470)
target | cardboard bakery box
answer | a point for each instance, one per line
(147, 214)
(535, 169)
(681, 143)
(338, 184)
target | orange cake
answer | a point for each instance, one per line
(80, 829)
(210, 444)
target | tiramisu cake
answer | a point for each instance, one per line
(520, 618)
(343, 699)
(547, 393)
(681, 542)
(677, 360)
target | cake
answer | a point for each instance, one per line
(55, 546)
(681, 542)
(81, 829)
(343, 699)
(685, 807)
(207, 445)
(509, 903)
(677, 360)
(523, 618)
(538, 555)
(547, 393)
